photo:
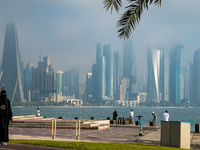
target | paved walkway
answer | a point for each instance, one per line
(116, 133)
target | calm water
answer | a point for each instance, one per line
(191, 115)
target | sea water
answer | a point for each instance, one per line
(191, 115)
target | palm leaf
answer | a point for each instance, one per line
(132, 15)
(109, 4)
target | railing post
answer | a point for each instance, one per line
(78, 127)
(53, 126)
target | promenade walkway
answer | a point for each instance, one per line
(116, 133)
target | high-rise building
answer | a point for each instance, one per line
(72, 82)
(155, 86)
(27, 81)
(166, 76)
(129, 68)
(191, 82)
(108, 53)
(94, 82)
(185, 71)
(43, 81)
(174, 74)
(103, 73)
(124, 89)
(88, 89)
(182, 89)
(11, 65)
(116, 81)
(59, 82)
(196, 77)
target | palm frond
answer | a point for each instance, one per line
(109, 4)
(132, 15)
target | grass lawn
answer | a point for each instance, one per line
(90, 146)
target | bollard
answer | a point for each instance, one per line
(151, 123)
(108, 118)
(137, 123)
(53, 128)
(78, 126)
(197, 128)
(92, 118)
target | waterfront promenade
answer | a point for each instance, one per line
(113, 134)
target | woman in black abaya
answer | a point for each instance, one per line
(5, 117)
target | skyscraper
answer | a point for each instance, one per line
(191, 82)
(43, 81)
(12, 76)
(116, 81)
(72, 82)
(196, 77)
(174, 74)
(88, 86)
(27, 81)
(155, 87)
(186, 73)
(59, 82)
(102, 73)
(108, 53)
(182, 89)
(129, 67)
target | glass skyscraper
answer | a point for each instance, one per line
(102, 71)
(174, 74)
(155, 87)
(72, 83)
(116, 77)
(59, 82)
(196, 78)
(129, 68)
(12, 75)
(27, 81)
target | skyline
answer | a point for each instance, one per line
(68, 31)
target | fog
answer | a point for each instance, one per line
(67, 30)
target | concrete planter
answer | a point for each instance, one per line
(175, 134)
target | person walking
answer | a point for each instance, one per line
(154, 119)
(131, 116)
(115, 115)
(5, 117)
(166, 116)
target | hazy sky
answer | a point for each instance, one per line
(67, 30)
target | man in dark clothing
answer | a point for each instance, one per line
(5, 117)
(115, 115)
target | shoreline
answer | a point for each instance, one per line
(93, 107)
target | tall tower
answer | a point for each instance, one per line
(12, 76)
(196, 77)
(174, 74)
(129, 67)
(155, 88)
(27, 81)
(116, 76)
(88, 86)
(108, 53)
(72, 82)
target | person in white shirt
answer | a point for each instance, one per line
(166, 116)
(38, 112)
(131, 116)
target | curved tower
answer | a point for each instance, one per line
(11, 65)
